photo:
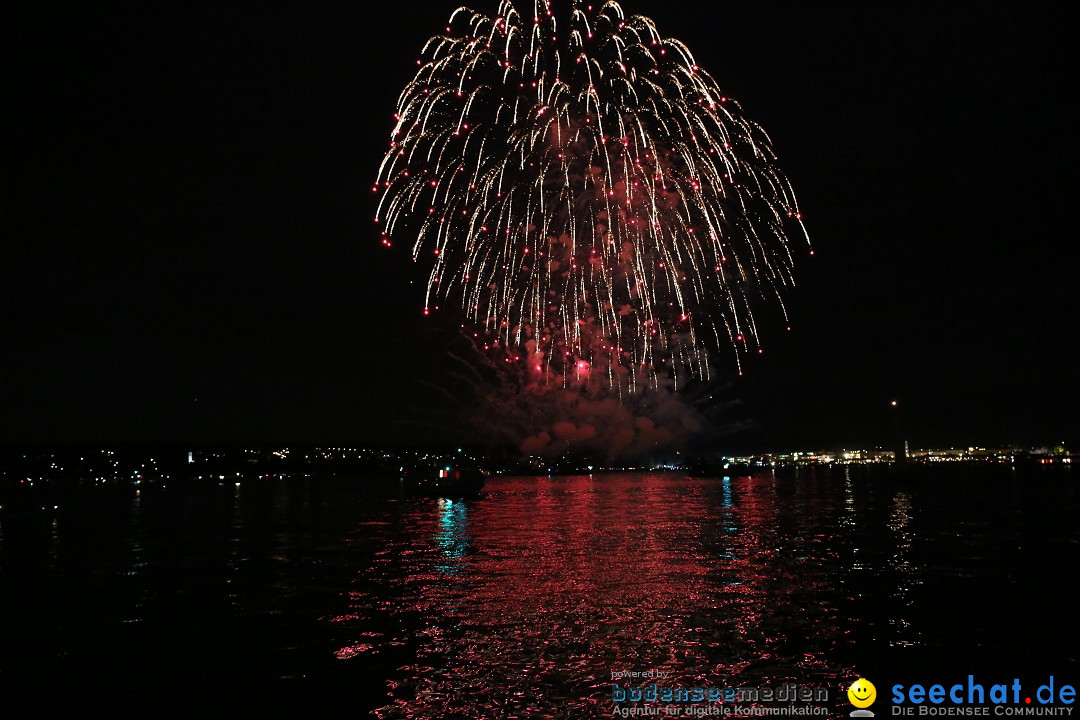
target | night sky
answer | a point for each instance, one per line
(189, 250)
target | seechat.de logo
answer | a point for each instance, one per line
(862, 695)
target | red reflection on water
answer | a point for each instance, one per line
(523, 603)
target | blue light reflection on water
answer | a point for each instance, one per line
(452, 535)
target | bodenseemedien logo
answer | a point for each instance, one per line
(862, 695)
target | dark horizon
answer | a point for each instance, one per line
(191, 256)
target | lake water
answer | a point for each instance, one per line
(331, 597)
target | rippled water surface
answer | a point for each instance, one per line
(521, 601)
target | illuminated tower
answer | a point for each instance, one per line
(899, 444)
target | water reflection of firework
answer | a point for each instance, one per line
(509, 616)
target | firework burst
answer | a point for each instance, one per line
(600, 211)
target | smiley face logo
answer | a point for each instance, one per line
(862, 693)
